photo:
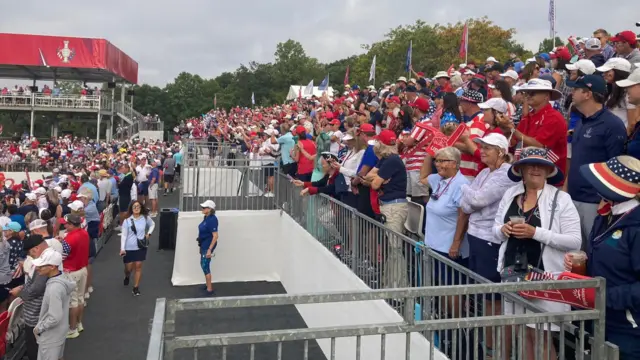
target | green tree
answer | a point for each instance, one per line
(547, 45)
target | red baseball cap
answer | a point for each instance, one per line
(300, 129)
(328, 114)
(368, 128)
(561, 52)
(394, 99)
(335, 122)
(421, 104)
(626, 36)
(387, 137)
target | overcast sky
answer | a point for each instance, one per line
(208, 37)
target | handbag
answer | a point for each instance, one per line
(142, 243)
(512, 274)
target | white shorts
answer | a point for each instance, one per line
(153, 192)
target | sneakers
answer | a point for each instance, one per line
(269, 194)
(126, 281)
(80, 328)
(136, 291)
(72, 334)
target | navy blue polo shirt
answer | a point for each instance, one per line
(392, 169)
(597, 138)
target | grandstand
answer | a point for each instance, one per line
(54, 58)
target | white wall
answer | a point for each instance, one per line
(219, 181)
(265, 245)
(244, 252)
(151, 134)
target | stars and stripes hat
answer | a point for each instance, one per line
(472, 96)
(536, 156)
(617, 180)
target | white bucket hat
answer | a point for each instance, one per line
(541, 85)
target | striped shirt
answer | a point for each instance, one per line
(470, 163)
(415, 156)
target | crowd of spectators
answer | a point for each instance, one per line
(544, 164)
(51, 226)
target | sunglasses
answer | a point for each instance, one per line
(441, 161)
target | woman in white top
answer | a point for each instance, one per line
(349, 166)
(616, 69)
(136, 231)
(268, 153)
(537, 224)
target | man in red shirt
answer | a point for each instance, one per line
(543, 127)
(305, 154)
(75, 265)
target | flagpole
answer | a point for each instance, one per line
(466, 42)
(554, 24)
(411, 59)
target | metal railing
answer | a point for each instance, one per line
(91, 102)
(125, 111)
(151, 125)
(22, 166)
(465, 339)
(450, 305)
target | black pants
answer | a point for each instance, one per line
(31, 344)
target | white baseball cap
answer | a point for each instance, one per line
(76, 205)
(593, 44)
(491, 58)
(31, 196)
(65, 194)
(208, 204)
(496, 104)
(584, 65)
(511, 73)
(48, 257)
(494, 139)
(615, 64)
(633, 79)
(37, 224)
(347, 137)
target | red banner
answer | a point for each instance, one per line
(580, 298)
(71, 52)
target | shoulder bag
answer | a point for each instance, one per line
(144, 242)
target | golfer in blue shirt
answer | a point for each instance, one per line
(208, 240)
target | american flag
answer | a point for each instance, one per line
(552, 19)
(464, 43)
(407, 65)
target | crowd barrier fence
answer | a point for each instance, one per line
(413, 279)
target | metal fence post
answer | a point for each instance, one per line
(354, 241)
(598, 347)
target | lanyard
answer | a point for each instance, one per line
(438, 194)
(599, 237)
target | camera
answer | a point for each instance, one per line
(521, 263)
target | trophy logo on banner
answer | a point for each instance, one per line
(65, 53)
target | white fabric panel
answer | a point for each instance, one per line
(245, 251)
(151, 135)
(219, 182)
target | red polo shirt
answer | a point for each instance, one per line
(78, 257)
(549, 127)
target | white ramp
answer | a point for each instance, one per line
(270, 245)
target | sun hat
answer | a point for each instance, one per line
(617, 180)
(441, 74)
(402, 78)
(535, 156)
(584, 65)
(208, 204)
(633, 79)
(496, 104)
(541, 85)
(494, 139)
(615, 64)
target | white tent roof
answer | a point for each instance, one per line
(295, 90)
